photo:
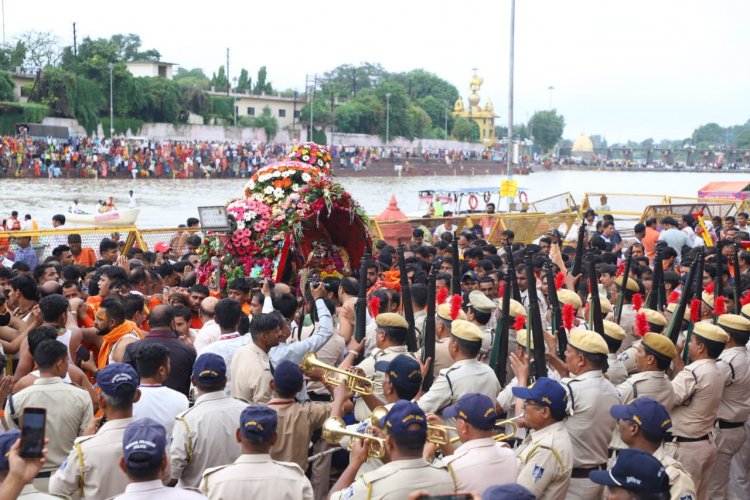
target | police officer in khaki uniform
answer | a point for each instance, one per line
(419, 305)
(479, 312)
(479, 462)
(251, 367)
(698, 388)
(91, 467)
(405, 428)
(643, 424)
(735, 402)
(613, 335)
(627, 317)
(255, 474)
(590, 396)
(653, 358)
(443, 321)
(545, 459)
(204, 436)
(390, 341)
(466, 375)
(656, 324)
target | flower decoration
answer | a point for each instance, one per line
(273, 183)
(312, 154)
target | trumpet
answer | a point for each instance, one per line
(335, 376)
(334, 429)
(441, 434)
(377, 415)
(502, 423)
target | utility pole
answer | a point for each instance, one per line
(387, 116)
(2, 3)
(75, 41)
(510, 89)
(445, 106)
(228, 86)
(312, 105)
(111, 108)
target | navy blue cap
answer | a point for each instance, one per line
(288, 377)
(544, 391)
(650, 415)
(118, 379)
(477, 409)
(510, 491)
(7, 440)
(258, 423)
(634, 470)
(403, 414)
(209, 369)
(470, 275)
(144, 443)
(403, 371)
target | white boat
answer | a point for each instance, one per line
(124, 217)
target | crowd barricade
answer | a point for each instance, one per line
(677, 210)
(558, 203)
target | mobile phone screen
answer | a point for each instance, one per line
(32, 432)
(82, 354)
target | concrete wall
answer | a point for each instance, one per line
(401, 142)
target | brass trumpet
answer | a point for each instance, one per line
(441, 434)
(377, 415)
(502, 423)
(336, 376)
(334, 429)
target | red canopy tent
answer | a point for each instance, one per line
(728, 190)
(393, 224)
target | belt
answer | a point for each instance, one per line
(44, 474)
(583, 472)
(319, 397)
(723, 424)
(682, 439)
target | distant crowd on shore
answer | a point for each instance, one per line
(146, 158)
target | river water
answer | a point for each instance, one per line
(166, 203)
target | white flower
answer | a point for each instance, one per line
(295, 188)
(306, 177)
(268, 190)
(250, 185)
(278, 193)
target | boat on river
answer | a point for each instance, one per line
(113, 218)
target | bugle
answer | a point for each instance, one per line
(441, 434)
(334, 429)
(502, 423)
(336, 376)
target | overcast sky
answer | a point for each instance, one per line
(625, 69)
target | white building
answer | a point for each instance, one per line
(286, 110)
(150, 68)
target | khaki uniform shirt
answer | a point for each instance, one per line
(653, 384)
(256, 476)
(30, 493)
(296, 424)
(735, 369)
(69, 412)
(627, 322)
(481, 463)
(681, 485)
(627, 357)
(545, 462)
(94, 459)
(616, 372)
(589, 424)
(361, 411)
(251, 374)
(205, 436)
(697, 390)
(463, 377)
(419, 318)
(396, 480)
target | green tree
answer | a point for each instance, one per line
(322, 114)
(163, 100)
(710, 134)
(267, 122)
(57, 90)
(420, 83)
(261, 85)
(742, 139)
(7, 88)
(348, 80)
(438, 111)
(418, 121)
(547, 127)
(42, 49)
(13, 57)
(219, 80)
(89, 100)
(462, 130)
(244, 83)
(193, 78)
(362, 115)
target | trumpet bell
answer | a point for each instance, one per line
(441, 434)
(377, 415)
(336, 376)
(334, 429)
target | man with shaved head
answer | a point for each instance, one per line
(210, 330)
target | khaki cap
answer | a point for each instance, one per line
(522, 336)
(391, 320)
(516, 309)
(631, 285)
(672, 307)
(734, 322)
(444, 311)
(566, 296)
(661, 344)
(653, 317)
(613, 330)
(709, 331)
(708, 298)
(588, 341)
(745, 310)
(480, 302)
(467, 331)
(604, 301)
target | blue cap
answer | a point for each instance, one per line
(144, 443)
(511, 491)
(544, 391)
(470, 275)
(403, 372)
(287, 377)
(209, 369)
(258, 423)
(650, 415)
(477, 409)
(634, 470)
(7, 440)
(118, 379)
(403, 414)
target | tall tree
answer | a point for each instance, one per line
(42, 49)
(13, 57)
(244, 83)
(261, 85)
(219, 80)
(547, 128)
(7, 87)
(710, 134)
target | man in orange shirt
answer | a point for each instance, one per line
(239, 290)
(197, 294)
(84, 257)
(650, 237)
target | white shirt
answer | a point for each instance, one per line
(225, 346)
(149, 490)
(160, 403)
(132, 203)
(208, 334)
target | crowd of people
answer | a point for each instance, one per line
(155, 386)
(83, 157)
